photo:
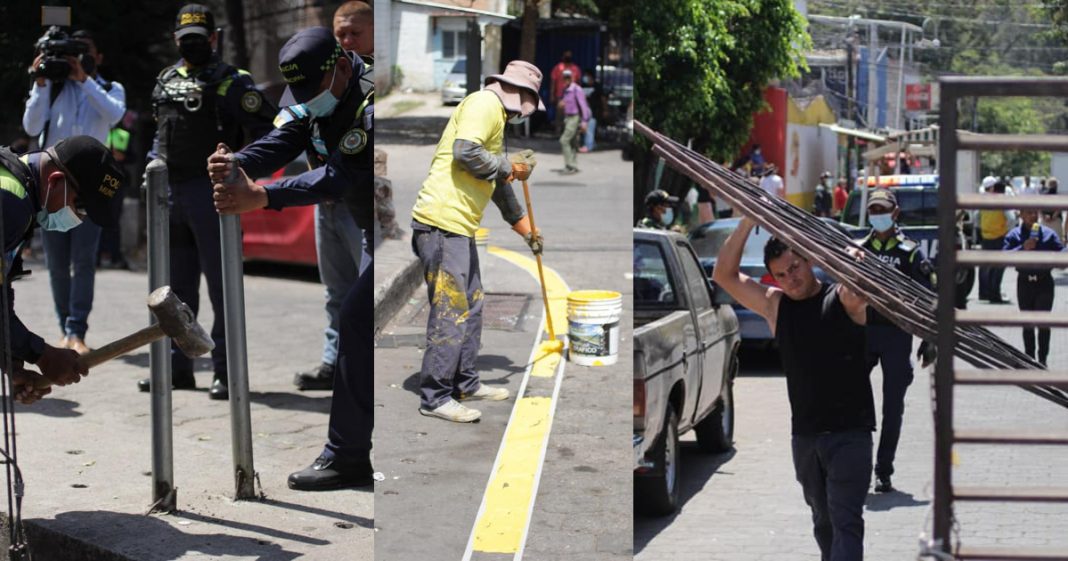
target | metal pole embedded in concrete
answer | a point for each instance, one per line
(236, 356)
(159, 274)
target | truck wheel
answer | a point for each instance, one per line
(715, 433)
(657, 494)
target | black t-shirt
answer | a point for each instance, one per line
(823, 354)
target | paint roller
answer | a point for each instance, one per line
(552, 345)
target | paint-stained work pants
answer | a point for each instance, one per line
(454, 328)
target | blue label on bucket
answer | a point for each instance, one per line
(592, 339)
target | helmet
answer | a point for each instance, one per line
(988, 182)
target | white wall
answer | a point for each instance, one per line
(810, 150)
(383, 46)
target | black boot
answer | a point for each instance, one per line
(220, 388)
(319, 379)
(327, 474)
(183, 381)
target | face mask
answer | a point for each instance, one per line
(667, 217)
(195, 51)
(882, 222)
(61, 220)
(323, 104)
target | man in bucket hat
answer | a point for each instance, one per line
(468, 170)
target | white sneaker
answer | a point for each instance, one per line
(451, 410)
(487, 393)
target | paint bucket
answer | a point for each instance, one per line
(593, 326)
(481, 243)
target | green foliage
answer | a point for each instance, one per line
(701, 66)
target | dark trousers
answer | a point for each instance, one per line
(195, 249)
(990, 277)
(1034, 291)
(834, 470)
(454, 328)
(890, 346)
(351, 408)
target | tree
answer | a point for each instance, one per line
(704, 65)
(528, 34)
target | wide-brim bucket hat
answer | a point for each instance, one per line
(523, 75)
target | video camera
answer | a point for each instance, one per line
(56, 46)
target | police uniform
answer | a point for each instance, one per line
(340, 151)
(891, 347)
(195, 110)
(1034, 287)
(650, 224)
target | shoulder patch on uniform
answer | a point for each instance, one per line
(251, 101)
(906, 244)
(353, 142)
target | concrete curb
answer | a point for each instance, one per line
(401, 278)
(47, 544)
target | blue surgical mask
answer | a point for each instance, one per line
(61, 220)
(881, 222)
(323, 104)
(667, 217)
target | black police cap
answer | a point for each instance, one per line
(304, 60)
(659, 197)
(194, 18)
(95, 176)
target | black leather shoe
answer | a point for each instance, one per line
(178, 382)
(882, 484)
(219, 388)
(321, 378)
(327, 474)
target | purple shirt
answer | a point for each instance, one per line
(575, 102)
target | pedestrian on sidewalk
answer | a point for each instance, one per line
(841, 195)
(330, 117)
(230, 110)
(468, 170)
(82, 103)
(576, 117)
(993, 225)
(821, 205)
(1054, 219)
(1034, 287)
(55, 189)
(771, 182)
(556, 87)
(820, 330)
(888, 344)
(338, 241)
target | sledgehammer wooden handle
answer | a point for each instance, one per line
(121, 346)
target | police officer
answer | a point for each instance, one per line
(658, 211)
(1034, 287)
(330, 117)
(200, 102)
(54, 189)
(887, 344)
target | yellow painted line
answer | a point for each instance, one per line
(555, 288)
(511, 490)
(504, 515)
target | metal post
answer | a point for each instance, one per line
(901, 82)
(159, 274)
(236, 356)
(946, 316)
(873, 95)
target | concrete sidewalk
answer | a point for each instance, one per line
(86, 457)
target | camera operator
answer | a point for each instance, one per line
(82, 104)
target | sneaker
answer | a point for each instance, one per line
(451, 410)
(569, 171)
(321, 378)
(584, 150)
(487, 393)
(882, 484)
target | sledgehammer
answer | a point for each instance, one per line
(174, 319)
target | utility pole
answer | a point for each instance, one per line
(851, 110)
(873, 94)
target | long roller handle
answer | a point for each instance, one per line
(541, 274)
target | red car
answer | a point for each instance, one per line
(286, 236)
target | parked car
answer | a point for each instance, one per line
(454, 88)
(685, 361)
(917, 197)
(285, 236)
(707, 240)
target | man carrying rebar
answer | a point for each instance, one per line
(1034, 287)
(888, 344)
(820, 330)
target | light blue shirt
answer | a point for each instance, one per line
(80, 108)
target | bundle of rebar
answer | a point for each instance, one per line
(905, 302)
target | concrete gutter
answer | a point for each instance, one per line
(397, 275)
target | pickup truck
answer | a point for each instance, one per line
(685, 360)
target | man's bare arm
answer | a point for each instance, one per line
(760, 299)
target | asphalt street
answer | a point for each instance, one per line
(436, 473)
(747, 506)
